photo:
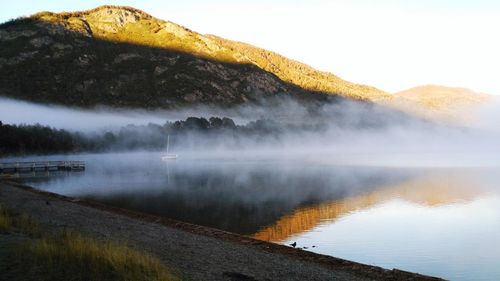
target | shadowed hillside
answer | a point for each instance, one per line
(121, 56)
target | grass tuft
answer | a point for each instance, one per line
(23, 223)
(5, 219)
(71, 256)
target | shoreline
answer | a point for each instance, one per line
(103, 220)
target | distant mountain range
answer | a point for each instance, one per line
(444, 103)
(123, 57)
(438, 97)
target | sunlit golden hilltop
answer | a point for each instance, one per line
(432, 190)
(443, 103)
(301, 74)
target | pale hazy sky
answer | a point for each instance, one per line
(392, 45)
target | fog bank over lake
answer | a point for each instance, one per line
(354, 132)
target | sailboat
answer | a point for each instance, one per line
(168, 156)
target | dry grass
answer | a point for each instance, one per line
(22, 223)
(5, 219)
(71, 256)
(25, 224)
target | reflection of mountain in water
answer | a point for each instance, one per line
(269, 199)
(237, 197)
(430, 190)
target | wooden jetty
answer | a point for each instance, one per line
(20, 167)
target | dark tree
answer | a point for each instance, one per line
(194, 123)
(215, 122)
(228, 123)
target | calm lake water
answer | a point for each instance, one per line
(441, 221)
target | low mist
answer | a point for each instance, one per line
(346, 132)
(20, 112)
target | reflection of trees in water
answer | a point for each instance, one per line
(271, 200)
(243, 198)
(430, 190)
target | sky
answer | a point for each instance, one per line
(389, 44)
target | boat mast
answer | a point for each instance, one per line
(168, 142)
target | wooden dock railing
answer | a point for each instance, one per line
(17, 167)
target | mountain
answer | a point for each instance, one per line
(121, 56)
(301, 74)
(442, 97)
(441, 102)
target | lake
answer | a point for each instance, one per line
(442, 221)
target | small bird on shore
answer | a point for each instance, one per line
(293, 244)
(47, 203)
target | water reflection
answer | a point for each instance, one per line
(446, 224)
(445, 187)
(442, 222)
(238, 196)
